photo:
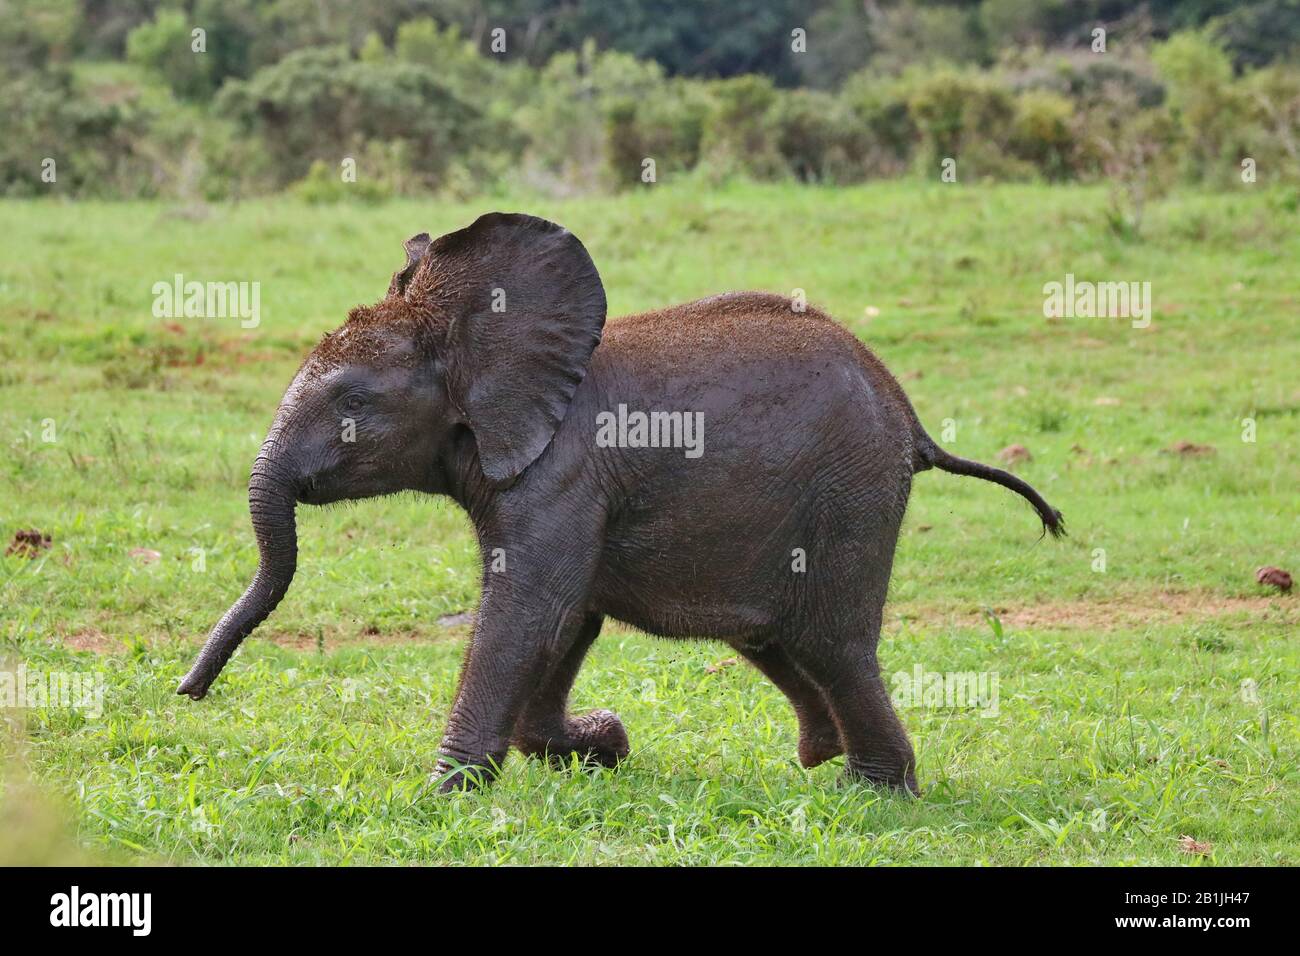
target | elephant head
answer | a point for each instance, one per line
(485, 332)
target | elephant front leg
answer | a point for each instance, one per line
(513, 644)
(546, 730)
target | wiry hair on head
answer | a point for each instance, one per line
(377, 333)
(406, 314)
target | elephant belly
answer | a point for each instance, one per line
(675, 609)
(699, 567)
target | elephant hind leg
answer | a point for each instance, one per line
(838, 617)
(546, 730)
(596, 738)
(819, 738)
(875, 740)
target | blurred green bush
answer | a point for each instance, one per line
(391, 101)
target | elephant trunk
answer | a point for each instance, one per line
(271, 501)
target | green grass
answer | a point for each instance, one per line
(1122, 724)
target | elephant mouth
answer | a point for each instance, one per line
(318, 490)
(308, 491)
(314, 491)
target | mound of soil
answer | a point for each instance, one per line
(1275, 576)
(28, 543)
(1014, 454)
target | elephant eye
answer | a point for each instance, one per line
(352, 403)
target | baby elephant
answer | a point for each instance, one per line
(732, 468)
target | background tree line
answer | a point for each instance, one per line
(414, 92)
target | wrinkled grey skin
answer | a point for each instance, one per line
(778, 539)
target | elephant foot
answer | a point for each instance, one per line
(467, 774)
(597, 739)
(819, 745)
(902, 780)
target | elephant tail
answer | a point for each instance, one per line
(930, 455)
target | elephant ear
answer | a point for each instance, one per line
(416, 248)
(527, 307)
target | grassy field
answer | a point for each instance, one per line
(1123, 723)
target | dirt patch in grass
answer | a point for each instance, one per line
(1121, 613)
(1125, 613)
(337, 637)
(96, 641)
(91, 639)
